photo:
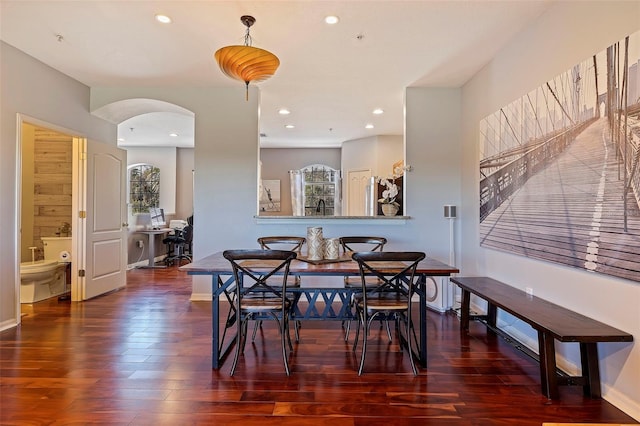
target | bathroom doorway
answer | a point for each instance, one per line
(78, 197)
(45, 213)
(47, 180)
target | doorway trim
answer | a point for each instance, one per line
(350, 195)
(76, 242)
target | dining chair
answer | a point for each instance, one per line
(354, 244)
(279, 242)
(255, 298)
(390, 299)
(283, 243)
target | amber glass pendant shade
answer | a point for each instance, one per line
(247, 63)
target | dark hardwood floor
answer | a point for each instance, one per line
(142, 356)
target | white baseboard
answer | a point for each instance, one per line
(618, 399)
(8, 324)
(621, 401)
(144, 262)
(519, 334)
(438, 309)
(200, 297)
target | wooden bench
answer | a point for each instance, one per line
(551, 322)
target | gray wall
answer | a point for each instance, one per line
(184, 183)
(225, 161)
(441, 145)
(31, 88)
(567, 34)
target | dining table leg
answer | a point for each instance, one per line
(215, 322)
(423, 321)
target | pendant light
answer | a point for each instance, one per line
(247, 63)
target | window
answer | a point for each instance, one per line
(144, 187)
(320, 190)
(315, 191)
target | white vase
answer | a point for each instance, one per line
(315, 249)
(331, 248)
(389, 209)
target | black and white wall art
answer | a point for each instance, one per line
(559, 167)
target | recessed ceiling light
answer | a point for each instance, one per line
(331, 19)
(378, 111)
(163, 18)
(284, 111)
(173, 135)
(369, 126)
(290, 126)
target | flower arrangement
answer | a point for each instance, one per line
(389, 195)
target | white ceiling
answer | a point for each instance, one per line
(330, 77)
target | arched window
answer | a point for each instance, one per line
(144, 187)
(316, 191)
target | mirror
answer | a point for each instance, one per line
(358, 161)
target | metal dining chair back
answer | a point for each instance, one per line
(256, 298)
(359, 244)
(355, 243)
(352, 244)
(283, 242)
(390, 299)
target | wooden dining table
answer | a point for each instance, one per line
(323, 302)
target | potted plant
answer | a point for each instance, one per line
(388, 201)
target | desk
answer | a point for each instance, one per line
(151, 245)
(221, 274)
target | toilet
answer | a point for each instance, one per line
(57, 248)
(43, 279)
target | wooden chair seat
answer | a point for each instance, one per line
(249, 304)
(390, 303)
(356, 282)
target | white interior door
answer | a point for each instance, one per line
(105, 249)
(358, 181)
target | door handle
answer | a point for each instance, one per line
(125, 225)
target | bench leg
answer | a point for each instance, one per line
(590, 370)
(492, 314)
(464, 310)
(548, 377)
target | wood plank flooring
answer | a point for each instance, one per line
(142, 356)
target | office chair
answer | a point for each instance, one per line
(390, 299)
(188, 246)
(179, 240)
